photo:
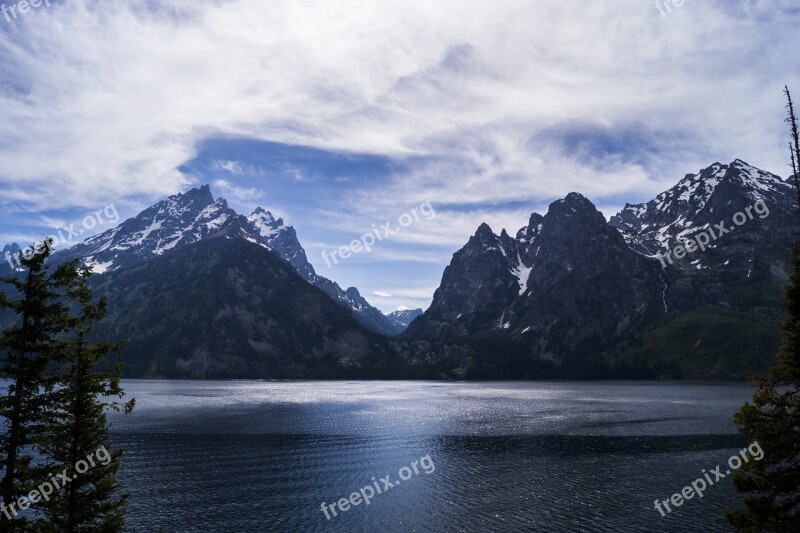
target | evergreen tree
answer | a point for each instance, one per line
(77, 437)
(27, 350)
(773, 418)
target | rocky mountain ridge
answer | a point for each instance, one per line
(587, 296)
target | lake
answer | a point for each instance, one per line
(521, 456)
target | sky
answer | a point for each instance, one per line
(343, 115)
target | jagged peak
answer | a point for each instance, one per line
(697, 188)
(753, 178)
(202, 193)
(352, 292)
(485, 232)
(197, 198)
(575, 196)
(262, 212)
(721, 171)
(265, 216)
(571, 203)
(535, 219)
(534, 223)
(266, 223)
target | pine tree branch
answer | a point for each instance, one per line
(795, 143)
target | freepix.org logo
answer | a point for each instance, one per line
(699, 485)
(56, 481)
(702, 239)
(13, 11)
(367, 493)
(665, 6)
(365, 243)
(66, 235)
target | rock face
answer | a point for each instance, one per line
(598, 299)
(566, 280)
(702, 200)
(281, 238)
(478, 285)
(583, 282)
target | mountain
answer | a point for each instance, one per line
(282, 238)
(567, 282)
(735, 223)
(178, 221)
(226, 308)
(722, 237)
(401, 319)
(203, 292)
(572, 295)
(190, 217)
(699, 203)
(687, 285)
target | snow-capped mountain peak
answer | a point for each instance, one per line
(759, 181)
(403, 317)
(699, 201)
(189, 217)
(266, 223)
(179, 220)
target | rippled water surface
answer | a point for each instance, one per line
(565, 456)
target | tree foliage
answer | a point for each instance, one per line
(772, 485)
(77, 429)
(54, 408)
(28, 350)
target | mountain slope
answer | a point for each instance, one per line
(736, 224)
(585, 285)
(282, 238)
(725, 300)
(477, 287)
(227, 308)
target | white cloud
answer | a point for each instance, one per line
(102, 101)
(382, 294)
(234, 167)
